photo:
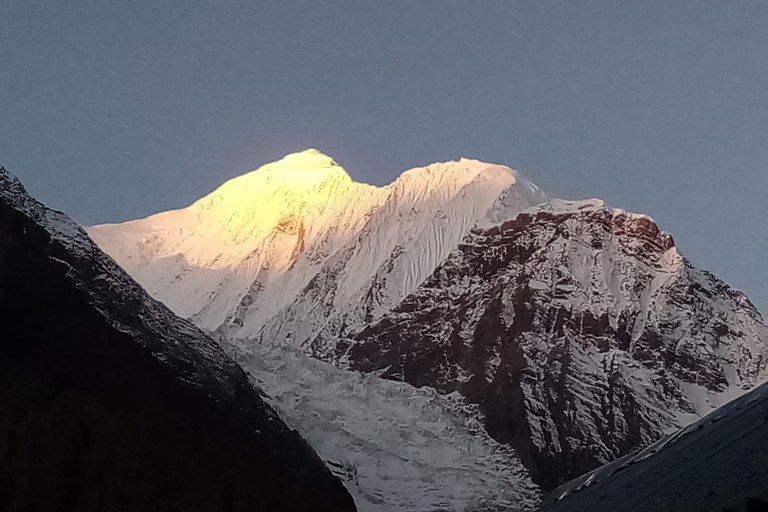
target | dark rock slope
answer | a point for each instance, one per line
(580, 331)
(717, 464)
(108, 401)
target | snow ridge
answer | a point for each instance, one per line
(250, 259)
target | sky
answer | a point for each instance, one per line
(114, 110)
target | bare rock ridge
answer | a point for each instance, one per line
(579, 330)
(108, 401)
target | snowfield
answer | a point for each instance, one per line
(396, 447)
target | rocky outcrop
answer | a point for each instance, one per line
(579, 330)
(717, 463)
(108, 401)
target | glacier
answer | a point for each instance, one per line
(396, 447)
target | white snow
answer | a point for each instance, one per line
(396, 447)
(249, 260)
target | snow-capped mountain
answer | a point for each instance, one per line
(580, 331)
(296, 247)
(109, 401)
(259, 237)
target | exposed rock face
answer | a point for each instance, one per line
(108, 401)
(716, 464)
(580, 331)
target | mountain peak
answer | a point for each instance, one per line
(309, 174)
(303, 169)
(310, 166)
(309, 158)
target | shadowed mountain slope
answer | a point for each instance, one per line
(108, 401)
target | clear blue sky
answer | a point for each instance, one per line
(114, 110)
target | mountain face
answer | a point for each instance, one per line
(108, 401)
(296, 250)
(579, 330)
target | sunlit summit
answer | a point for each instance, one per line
(237, 256)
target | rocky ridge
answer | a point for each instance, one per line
(579, 330)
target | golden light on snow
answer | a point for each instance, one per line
(260, 239)
(276, 195)
(260, 218)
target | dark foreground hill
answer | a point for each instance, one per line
(109, 402)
